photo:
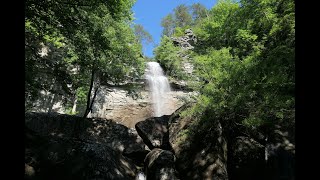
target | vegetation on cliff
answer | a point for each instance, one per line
(245, 59)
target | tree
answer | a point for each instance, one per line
(168, 24)
(142, 35)
(181, 18)
(199, 12)
(182, 15)
(167, 55)
(94, 37)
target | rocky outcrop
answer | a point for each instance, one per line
(137, 153)
(117, 105)
(70, 147)
(63, 158)
(159, 165)
(200, 155)
(212, 150)
(154, 132)
(170, 147)
(186, 44)
(84, 129)
(185, 41)
(245, 159)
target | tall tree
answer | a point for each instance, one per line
(199, 12)
(182, 15)
(143, 37)
(168, 24)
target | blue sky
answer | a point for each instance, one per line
(149, 13)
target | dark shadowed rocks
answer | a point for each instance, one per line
(246, 159)
(154, 132)
(212, 150)
(159, 165)
(200, 155)
(97, 130)
(137, 153)
(69, 147)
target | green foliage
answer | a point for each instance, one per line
(244, 59)
(168, 24)
(142, 35)
(93, 37)
(182, 18)
(167, 56)
(199, 12)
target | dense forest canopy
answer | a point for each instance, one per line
(244, 59)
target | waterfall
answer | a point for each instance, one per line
(158, 86)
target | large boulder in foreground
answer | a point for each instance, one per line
(272, 159)
(97, 130)
(137, 153)
(63, 158)
(154, 132)
(159, 165)
(70, 147)
(209, 149)
(200, 153)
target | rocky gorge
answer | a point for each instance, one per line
(68, 147)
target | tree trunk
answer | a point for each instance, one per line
(74, 108)
(89, 95)
(93, 98)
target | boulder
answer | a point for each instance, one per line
(245, 159)
(69, 147)
(154, 132)
(97, 130)
(159, 165)
(199, 154)
(137, 153)
(64, 158)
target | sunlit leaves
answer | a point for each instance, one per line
(246, 62)
(167, 55)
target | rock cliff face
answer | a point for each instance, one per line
(115, 104)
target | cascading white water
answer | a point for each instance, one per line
(159, 87)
